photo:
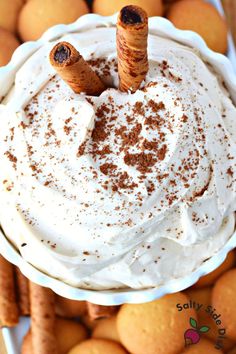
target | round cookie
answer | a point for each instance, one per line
(8, 43)
(98, 346)
(37, 16)
(168, 3)
(223, 299)
(68, 334)
(107, 7)
(210, 278)
(203, 296)
(106, 329)
(203, 347)
(172, 1)
(9, 10)
(203, 18)
(155, 327)
(69, 308)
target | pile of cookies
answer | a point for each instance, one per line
(27, 20)
(198, 320)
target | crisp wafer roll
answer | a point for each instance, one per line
(97, 311)
(131, 40)
(42, 320)
(74, 70)
(22, 292)
(9, 314)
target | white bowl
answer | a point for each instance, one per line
(158, 26)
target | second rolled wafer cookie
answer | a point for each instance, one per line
(131, 40)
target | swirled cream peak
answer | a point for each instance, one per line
(116, 190)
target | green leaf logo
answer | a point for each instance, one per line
(204, 329)
(193, 322)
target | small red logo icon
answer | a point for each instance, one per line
(193, 335)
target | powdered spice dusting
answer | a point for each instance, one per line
(121, 186)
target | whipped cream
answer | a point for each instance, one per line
(121, 190)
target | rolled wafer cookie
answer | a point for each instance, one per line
(106, 328)
(9, 314)
(22, 292)
(97, 311)
(42, 320)
(131, 41)
(74, 70)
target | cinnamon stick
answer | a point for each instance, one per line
(131, 40)
(42, 320)
(74, 70)
(9, 314)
